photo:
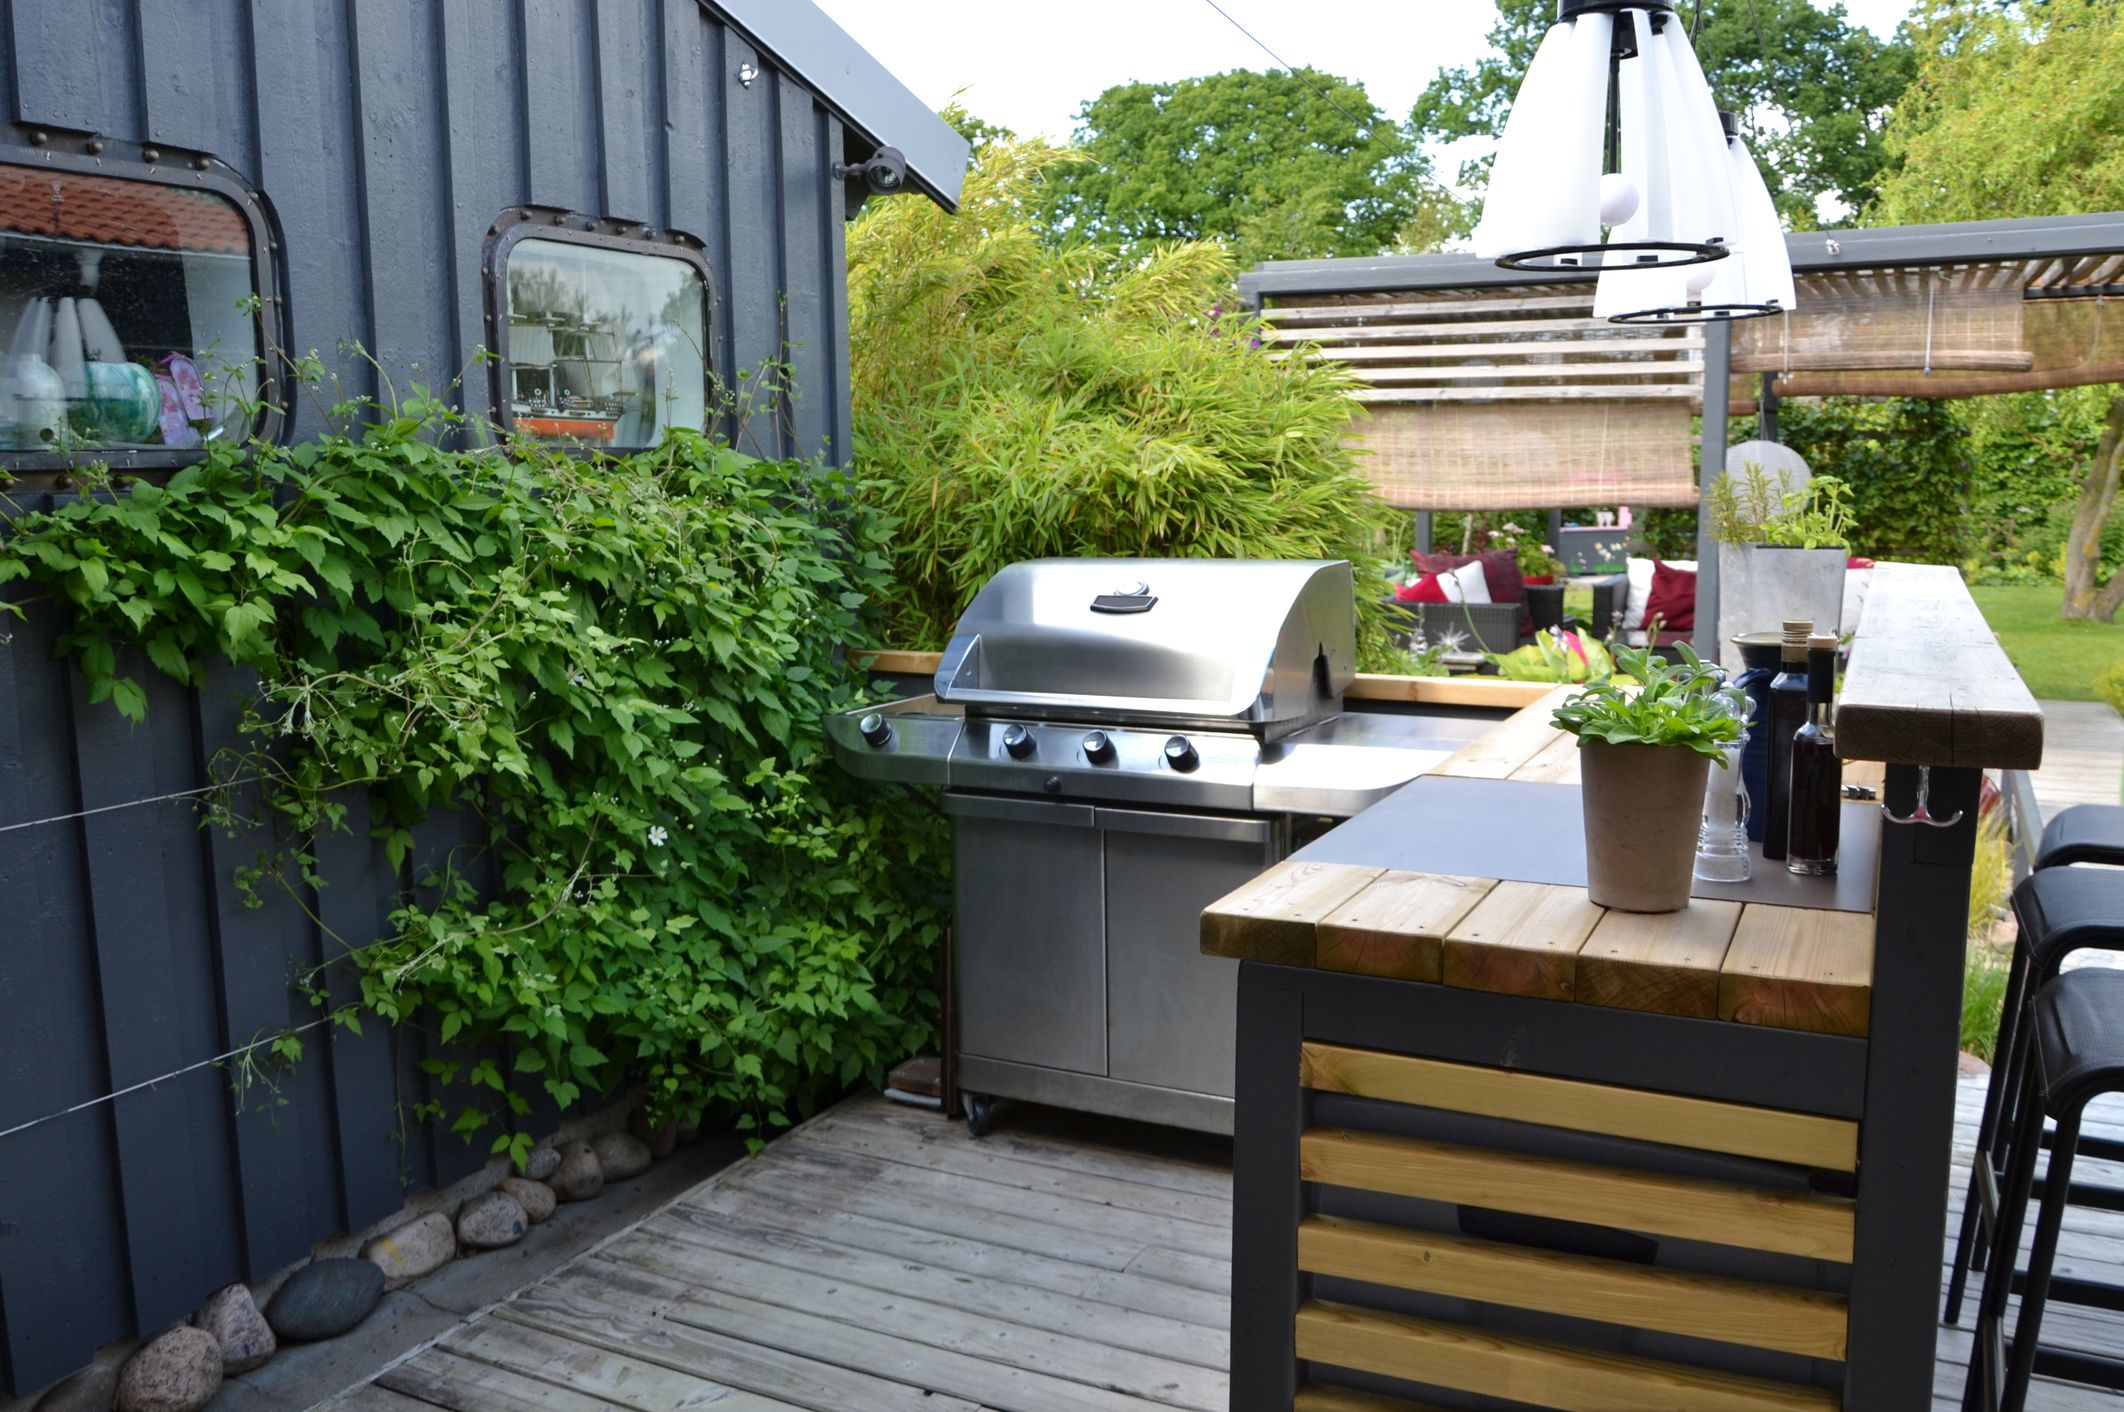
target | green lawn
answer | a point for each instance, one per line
(2057, 659)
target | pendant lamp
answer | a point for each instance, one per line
(1669, 204)
(1754, 282)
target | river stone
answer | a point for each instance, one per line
(535, 1197)
(660, 1139)
(413, 1249)
(492, 1221)
(324, 1299)
(578, 1178)
(542, 1164)
(621, 1155)
(233, 1319)
(179, 1371)
(90, 1389)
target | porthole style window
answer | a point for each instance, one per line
(130, 311)
(601, 338)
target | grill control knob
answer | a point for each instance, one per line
(1018, 741)
(1098, 748)
(876, 731)
(1180, 754)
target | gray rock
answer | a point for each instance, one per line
(660, 1138)
(413, 1249)
(324, 1299)
(542, 1164)
(621, 1155)
(233, 1319)
(492, 1221)
(179, 1371)
(535, 1197)
(578, 1177)
(90, 1389)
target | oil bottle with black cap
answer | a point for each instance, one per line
(1788, 712)
(1817, 775)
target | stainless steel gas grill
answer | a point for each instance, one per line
(1122, 742)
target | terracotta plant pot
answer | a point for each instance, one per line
(1643, 806)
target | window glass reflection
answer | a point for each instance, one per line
(605, 347)
(123, 313)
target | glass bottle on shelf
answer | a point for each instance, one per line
(1722, 841)
(1817, 775)
(1788, 712)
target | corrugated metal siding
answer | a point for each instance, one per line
(387, 136)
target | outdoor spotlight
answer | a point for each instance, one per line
(884, 174)
(1612, 157)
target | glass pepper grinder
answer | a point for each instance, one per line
(1722, 841)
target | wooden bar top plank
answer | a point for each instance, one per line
(1808, 1322)
(1272, 918)
(1694, 1208)
(1556, 763)
(1522, 939)
(1533, 1371)
(1510, 743)
(1324, 1397)
(1929, 683)
(1703, 1124)
(1397, 926)
(1445, 691)
(1664, 962)
(1793, 968)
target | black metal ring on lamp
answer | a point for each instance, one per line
(1697, 314)
(1571, 9)
(1666, 255)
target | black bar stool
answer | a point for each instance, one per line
(2058, 911)
(2077, 1044)
(2085, 833)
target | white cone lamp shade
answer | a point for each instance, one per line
(1755, 282)
(1548, 202)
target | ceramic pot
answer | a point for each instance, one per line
(1545, 604)
(1643, 804)
(1761, 585)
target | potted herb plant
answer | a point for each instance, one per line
(1782, 550)
(1644, 752)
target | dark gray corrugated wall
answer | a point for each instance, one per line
(387, 136)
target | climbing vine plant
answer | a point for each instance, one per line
(619, 665)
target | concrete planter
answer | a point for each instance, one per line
(1643, 806)
(1761, 585)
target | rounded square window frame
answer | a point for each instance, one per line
(522, 223)
(87, 155)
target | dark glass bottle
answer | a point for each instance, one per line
(1788, 712)
(1817, 775)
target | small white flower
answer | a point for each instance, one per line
(575, 679)
(1451, 639)
(657, 836)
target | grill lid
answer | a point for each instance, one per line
(1264, 643)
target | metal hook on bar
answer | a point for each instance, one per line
(1922, 814)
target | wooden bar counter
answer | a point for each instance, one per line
(1499, 1148)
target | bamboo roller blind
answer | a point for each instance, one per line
(1521, 401)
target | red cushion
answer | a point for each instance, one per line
(1500, 574)
(1424, 590)
(1672, 599)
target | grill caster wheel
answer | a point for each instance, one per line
(980, 1114)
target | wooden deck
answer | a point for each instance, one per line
(878, 1259)
(2083, 755)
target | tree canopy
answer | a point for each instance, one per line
(1278, 165)
(1813, 89)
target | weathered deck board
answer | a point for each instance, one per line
(880, 1260)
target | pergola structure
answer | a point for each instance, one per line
(1489, 388)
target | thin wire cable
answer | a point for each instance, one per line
(128, 804)
(1363, 127)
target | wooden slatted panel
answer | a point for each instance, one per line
(1532, 1371)
(1724, 1213)
(1522, 939)
(1700, 1123)
(1320, 1397)
(1797, 969)
(1665, 962)
(1541, 348)
(1803, 1321)
(1272, 918)
(1397, 926)
(1633, 392)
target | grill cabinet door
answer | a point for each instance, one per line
(1173, 1012)
(1031, 943)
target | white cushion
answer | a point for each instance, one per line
(1640, 571)
(1474, 588)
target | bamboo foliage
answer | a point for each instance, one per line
(1015, 401)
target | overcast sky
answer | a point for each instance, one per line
(1027, 64)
